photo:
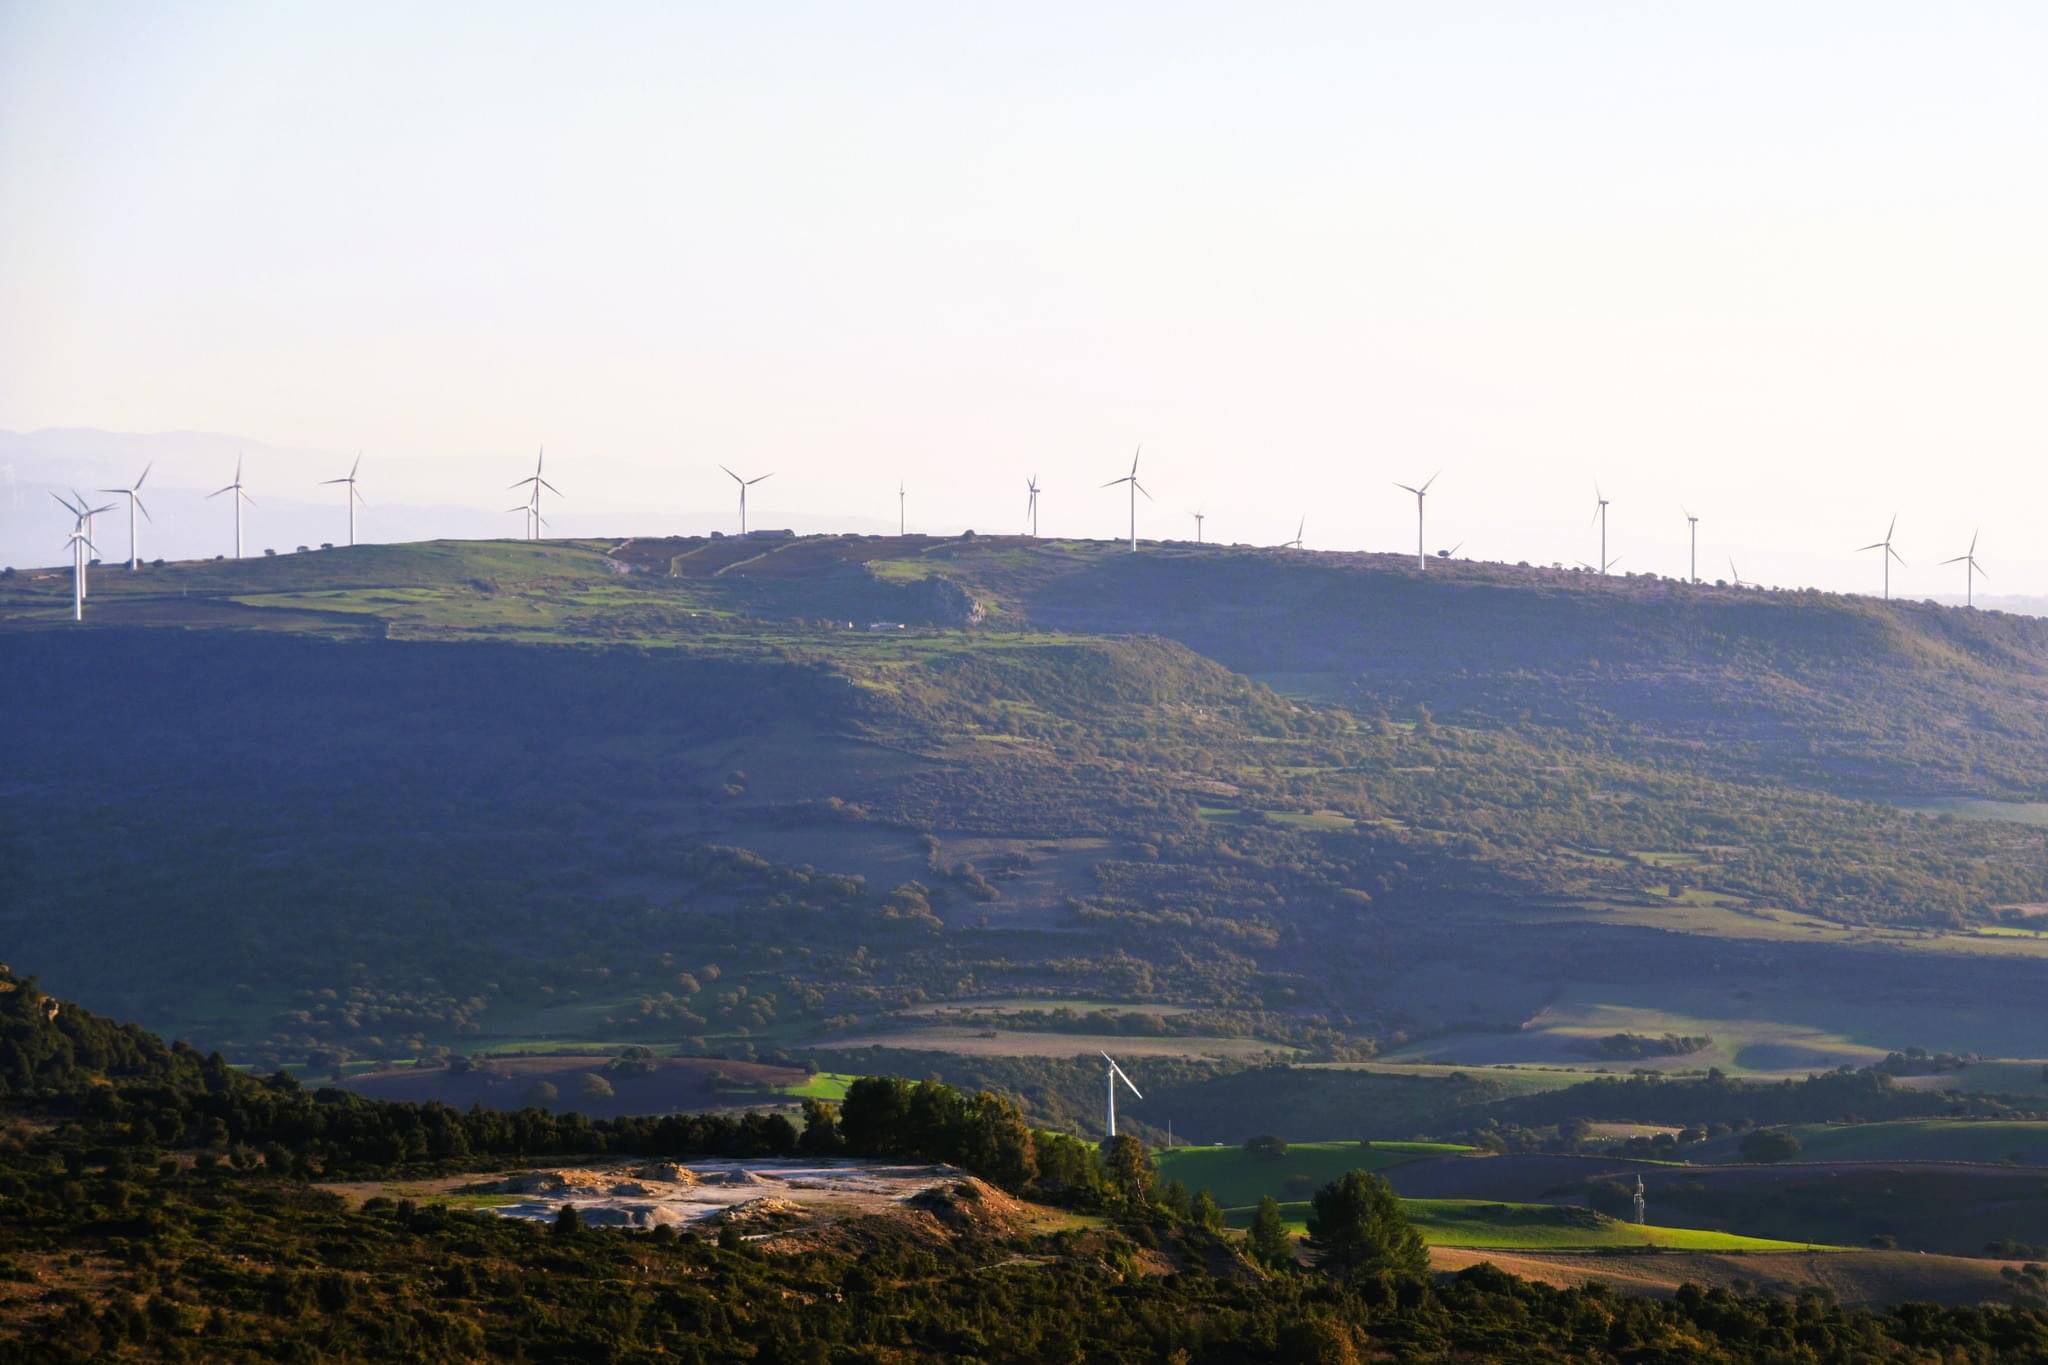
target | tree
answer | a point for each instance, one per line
(541, 1094)
(569, 1221)
(1266, 1147)
(1130, 1168)
(1356, 1228)
(1206, 1211)
(821, 1128)
(594, 1087)
(1268, 1241)
(1770, 1144)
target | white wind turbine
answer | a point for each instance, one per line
(1295, 544)
(134, 496)
(1031, 506)
(1736, 573)
(1600, 515)
(1199, 517)
(1116, 1073)
(81, 549)
(1136, 488)
(1889, 554)
(1694, 523)
(1969, 574)
(901, 521)
(745, 484)
(239, 498)
(536, 483)
(1421, 559)
(354, 496)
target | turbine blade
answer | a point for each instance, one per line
(1114, 482)
(1896, 555)
(325, 482)
(1981, 571)
(1134, 460)
(552, 489)
(145, 472)
(1406, 489)
(1141, 488)
(1880, 545)
(218, 491)
(764, 476)
(1957, 560)
(733, 476)
(1432, 479)
(354, 467)
(144, 507)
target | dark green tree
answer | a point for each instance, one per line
(1356, 1228)
(1268, 1241)
(1130, 1169)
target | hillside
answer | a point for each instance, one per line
(359, 807)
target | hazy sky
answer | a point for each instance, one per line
(1785, 263)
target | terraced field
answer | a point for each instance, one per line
(1236, 1176)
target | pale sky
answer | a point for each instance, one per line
(1786, 264)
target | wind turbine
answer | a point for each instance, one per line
(745, 484)
(900, 522)
(134, 496)
(1031, 507)
(354, 497)
(1199, 517)
(81, 544)
(1889, 554)
(1136, 488)
(1970, 573)
(1116, 1073)
(1600, 515)
(239, 498)
(1694, 522)
(536, 483)
(1421, 559)
(1736, 573)
(1600, 568)
(1295, 544)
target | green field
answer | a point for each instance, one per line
(1540, 1227)
(825, 1085)
(1236, 1176)
(1976, 1140)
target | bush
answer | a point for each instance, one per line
(1768, 1145)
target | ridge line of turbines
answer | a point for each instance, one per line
(80, 541)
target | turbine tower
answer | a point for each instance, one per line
(536, 483)
(526, 525)
(1694, 523)
(134, 496)
(1970, 573)
(81, 549)
(1600, 515)
(1421, 559)
(1889, 554)
(354, 496)
(901, 523)
(239, 498)
(1136, 488)
(745, 484)
(1199, 517)
(1031, 506)
(1116, 1073)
